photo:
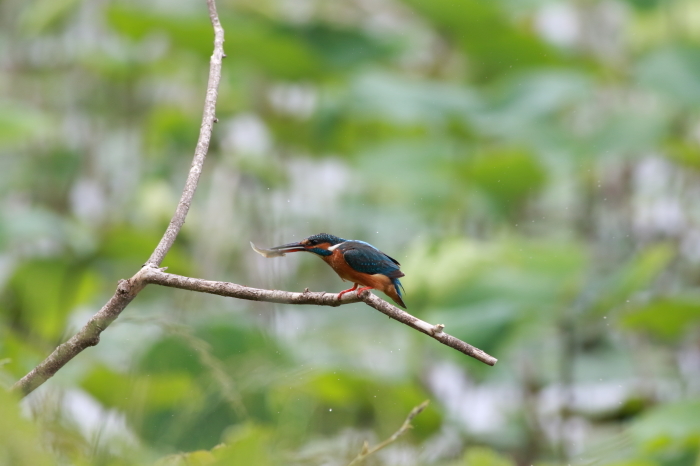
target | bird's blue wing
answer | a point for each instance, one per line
(355, 242)
(367, 259)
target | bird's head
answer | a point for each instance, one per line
(318, 244)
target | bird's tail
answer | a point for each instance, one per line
(397, 294)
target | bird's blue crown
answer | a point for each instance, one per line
(324, 238)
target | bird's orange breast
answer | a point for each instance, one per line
(337, 263)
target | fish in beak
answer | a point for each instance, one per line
(279, 250)
(291, 247)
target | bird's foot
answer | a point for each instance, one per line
(363, 289)
(340, 295)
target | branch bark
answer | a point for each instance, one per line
(158, 277)
(127, 290)
(200, 153)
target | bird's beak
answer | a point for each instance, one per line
(291, 247)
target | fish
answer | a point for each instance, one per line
(267, 253)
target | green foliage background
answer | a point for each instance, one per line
(533, 164)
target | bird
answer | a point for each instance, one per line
(355, 261)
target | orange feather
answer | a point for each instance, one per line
(377, 281)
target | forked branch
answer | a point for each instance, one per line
(127, 290)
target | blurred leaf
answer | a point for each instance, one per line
(342, 48)
(110, 388)
(392, 406)
(668, 319)
(645, 4)
(343, 399)
(632, 462)
(481, 29)
(18, 353)
(128, 248)
(170, 354)
(336, 129)
(20, 440)
(518, 272)
(409, 101)
(481, 456)
(184, 31)
(267, 172)
(43, 14)
(248, 444)
(674, 72)
(195, 458)
(227, 341)
(403, 176)
(508, 178)
(668, 425)
(632, 407)
(382, 110)
(533, 95)
(628, 133)
(26, 228)
(20, 123)
(496, 292)
(634, 276)
(684, 153)
(274, 50)
(52, 175)
(201, 408)
(166, 391)
(155, 392)
(169, 130)
(62, 287)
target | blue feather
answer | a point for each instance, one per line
(366, 258)
(398, 286)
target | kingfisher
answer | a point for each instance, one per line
(355, 261)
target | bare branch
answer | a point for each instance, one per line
(88, 336)
(232, 290)
(200, 153)
(366, 451)
(127, 290)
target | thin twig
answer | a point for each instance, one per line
(127, 290)
(232, 290)
(200, 153)
(366, 451)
